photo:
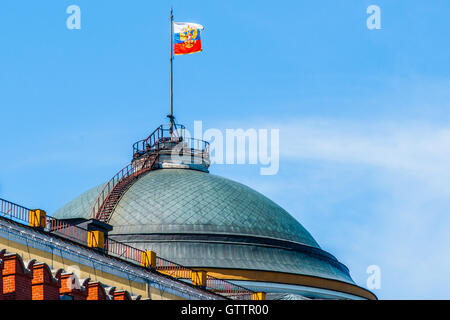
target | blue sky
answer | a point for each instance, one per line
(363, 114)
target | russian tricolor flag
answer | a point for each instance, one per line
(187, 37)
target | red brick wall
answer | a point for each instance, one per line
(121, 295)
(69, 285)
(44, 285)
(96, 291)
(38, 283)
(1, 278)
(16, 278)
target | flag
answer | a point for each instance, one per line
(187, 37)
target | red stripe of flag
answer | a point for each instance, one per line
(180, 48)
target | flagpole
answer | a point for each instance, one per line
(171, 72)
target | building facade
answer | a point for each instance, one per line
(209, 229)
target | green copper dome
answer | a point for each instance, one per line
(202, 220)
(190, 201)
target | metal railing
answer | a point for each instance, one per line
(123, 251)
(161, 139)
(228, 289)
(13, 211)
(178, 271)
(128, 172)
(20, 214)
(67, 230)
(108, 187)
(196, 147)
(159, 136)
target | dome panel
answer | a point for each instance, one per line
(202, 220)
(189, 201)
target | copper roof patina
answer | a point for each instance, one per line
(202, 220)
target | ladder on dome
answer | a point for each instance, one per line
(113, 191)
(145, 153)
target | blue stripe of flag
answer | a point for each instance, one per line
(176, 37)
